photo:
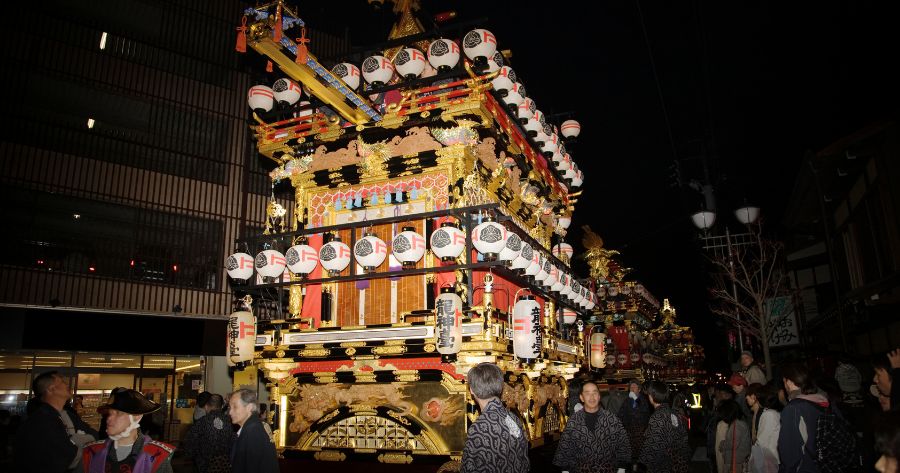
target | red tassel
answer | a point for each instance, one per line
(241, 45)
(268, 66)
(301, 46)
(278, 24)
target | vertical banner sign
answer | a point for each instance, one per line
(241, 337)
(783, 322)
(449, 324)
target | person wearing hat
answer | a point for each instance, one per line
(750, 370)
(739, 384)
(127, 449)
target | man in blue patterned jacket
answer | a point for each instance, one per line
(497, 441)
(594, 439)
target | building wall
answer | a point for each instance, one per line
(136, 209)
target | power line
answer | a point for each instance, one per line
(662, 100)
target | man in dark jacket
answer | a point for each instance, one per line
(594, 439)
(635, 414)
(43, 443)
(797, 437)
(253, 451)
(666, 448)
(208, 442)
(497, 441)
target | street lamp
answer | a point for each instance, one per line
(704, 220)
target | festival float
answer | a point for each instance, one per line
(429, 190)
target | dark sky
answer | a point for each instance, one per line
(758, 83)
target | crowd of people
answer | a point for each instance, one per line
(54, 439)
(797, 422)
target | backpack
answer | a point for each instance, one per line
(836, 450)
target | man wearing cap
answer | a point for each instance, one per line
(739, 384)
(750, 370)
(127, 450)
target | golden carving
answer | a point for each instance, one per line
(350, 351)
(279, 353)
(329, 416)
(399, 418)
(429, 347)
(326, 379)
(352, 344)
(392, 120)
(389, 350)
(395, 458)
(330, 456)
(315, 352)
(407, 378)
(331, 134)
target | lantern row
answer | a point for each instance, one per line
(491, 239)
(480, 46)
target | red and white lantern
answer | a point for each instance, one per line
(448, 242)
(448, 322)
(377, 70)
(552, 274)
(534, 266)
(570, 128)
(241, 337)
(523, 259)
(598, 350)
(302, 259)
(270, 263)
(239, 266)
(526, 110)
(479, 45)
(408, 247)
(514, 97)
(504, 80)
(527, 328)
(334, 256)
(489, 238)
(348, 73)
(443, 54)
(569, 316)
(563, 251)
(511, 249)
(260, 98)
(564, 289)
(370, 251)
(286, 91)
(410, 62)
(543, 270)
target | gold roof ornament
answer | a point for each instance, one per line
(598, 257)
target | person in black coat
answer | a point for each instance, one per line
(253, 451)
(635, 415)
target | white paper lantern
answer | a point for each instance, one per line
(578, 179)
(540, 136)
(334, 256)
(448, 322)
(558, 284)
(527, 328)
(239, 266)
(526, 110)
(448, 242)
(564, 289)
(531, 126)
(286, 91)
(260, 98)
(575, 287)
(270, 263)
(489, 238)
(610, 360)
(552, 275)
(564, 222)
(494, 63)
(348, 73)
(504, 80)
(512, 249)
(370, 251)
(514, 97)
(479, 44)
(410, 63)
(408, 247)
(598, 350)
(523, 260)
(550, 146)
(443, 54)
(543, 269)
(570, 128)
(534, 266)
(591, 301)
(621, 359)
(563, 250)
(241, 337)
(583, 300)
(377, 70)
(569, 316)
(302, 259)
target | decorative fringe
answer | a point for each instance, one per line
(301, 46)
(241, 45)
(278, 26)
(268, 66)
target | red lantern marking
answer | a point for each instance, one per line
(276, 259)
(416, 54)
(385, 64)
(489, 37)
(307, 255)
(263, 92)
(522, 324)
(459, 238)
(246, 330)
(343, 252)
(417, 242)
(245, 263)
(380, 247)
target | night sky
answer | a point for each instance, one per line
(756, 83)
